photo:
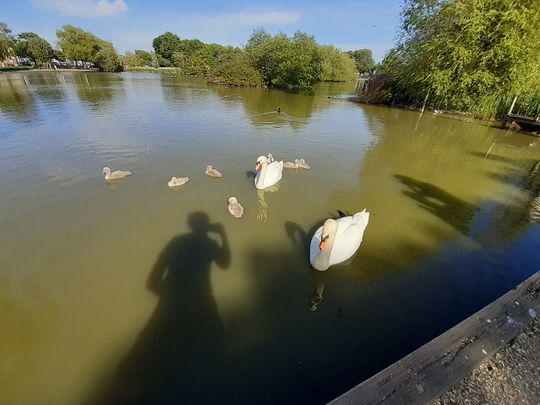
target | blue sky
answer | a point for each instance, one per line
(132, 24)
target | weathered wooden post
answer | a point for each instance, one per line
(507, 117)
(425, 102)
(512, 106)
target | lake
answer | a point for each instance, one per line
(134, 292)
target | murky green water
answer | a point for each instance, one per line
(125, 292)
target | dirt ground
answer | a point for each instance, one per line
(511, 376)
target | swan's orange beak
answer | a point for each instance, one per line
(257, 166)
(323, 243)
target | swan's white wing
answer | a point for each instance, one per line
(314, 245)
(348, 239)
(361, 218)
(343, 223)
(273, 173)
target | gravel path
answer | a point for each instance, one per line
(511, 376)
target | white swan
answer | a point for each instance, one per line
(210, 171)
(268, 174)
(177, 181)
(117, 174)
(337, 240)
(235, 208)
(290, 165)
(302, 163)
(270, 158)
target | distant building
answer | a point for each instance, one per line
(16, 61)
(71, 64)
(53, 64)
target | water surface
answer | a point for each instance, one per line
(135, 292)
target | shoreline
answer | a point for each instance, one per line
(65, 70)
(456, 115)
(21, 70)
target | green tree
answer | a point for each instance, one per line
(283, 61)
(190, 46)
(470, 55)
(196, 65)
(107, 59)
(154, 60)
(179, 59)
(145, 57)
(337, 66)
(78, 44)
(30, 45)
(233, 69)
(304, 67)
(139, 58)
(164, 46)
(58, 54)
(131, 60)
(7, 41)
(364, 60)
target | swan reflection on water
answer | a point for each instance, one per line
(262, 205)
(317, 297)
(295, 231)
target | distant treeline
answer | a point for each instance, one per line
(463, 55)
(278, 60)
(295, 62)
(73, 44)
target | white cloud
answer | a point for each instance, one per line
(84, 8)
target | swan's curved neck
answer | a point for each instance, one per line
(262, 175)
(322, 261)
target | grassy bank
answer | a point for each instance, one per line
(161, 70)
(13, 68)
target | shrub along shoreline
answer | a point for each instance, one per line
(295, 62)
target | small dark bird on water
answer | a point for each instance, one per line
(279, 110)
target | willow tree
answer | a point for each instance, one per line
(337, 66)
(470, 55)
(78, 44)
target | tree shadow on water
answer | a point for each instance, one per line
(183, 340)
(455, 211)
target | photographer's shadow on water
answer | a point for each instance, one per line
(183, 340)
